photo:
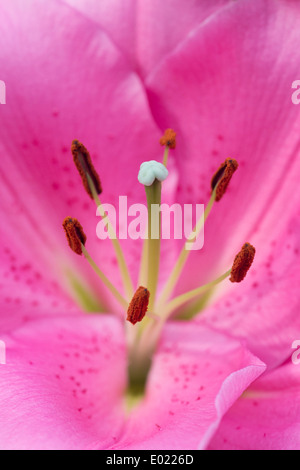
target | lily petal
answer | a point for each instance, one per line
(27, 293)
(190, 387)
(242, 111)
(266, 417)
(227, 91)
(64, 381)
(264, 309)
(62, 384)
(144, 30)
(76, 85)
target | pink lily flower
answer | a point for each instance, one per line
(222, 80)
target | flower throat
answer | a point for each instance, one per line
(144, 312)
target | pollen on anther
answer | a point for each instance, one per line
(138, 306)
(222, 177)
(242, 263)
(75, 234)
(169, 139)
(85, 167)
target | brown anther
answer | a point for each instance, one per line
(75, 234)
(85, 166)
(242, 263)
(169, 139)
(222, 177)
(138, 306)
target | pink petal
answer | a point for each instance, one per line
(191, 386)
(64, 380)
(27, 293)
(62, 383)
(146, 31)
(264, 309)
(266, 417)
(242, 111)
(76, 85)
(227, 91)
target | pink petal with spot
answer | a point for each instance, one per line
(266, 417)
(62, 384)
(76, 85)
(197, 375)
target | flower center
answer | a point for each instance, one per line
(144, 313)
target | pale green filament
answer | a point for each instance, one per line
(150, 334)
(175, 274)
(179, 301)
(127, 282)
(144, 264)
(123, 302)
(166, 155)
(83, 295)
(153, 194)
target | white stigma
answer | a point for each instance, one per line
(149, 171)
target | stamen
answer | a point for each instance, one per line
(152, 331)
(93, 187)
(169, 141)
(85, 167)
(75, 234)
(138, 306)
(237, 273)
(222, 177)
(219, 183)
(76, 239)
(242, 263)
